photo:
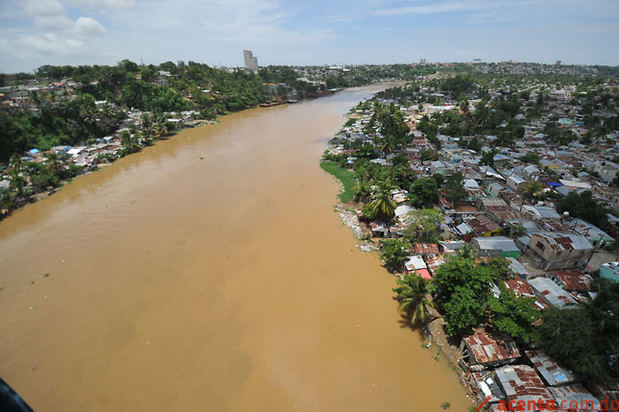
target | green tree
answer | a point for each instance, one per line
(462, 289)
(382, 208)
(412, 296)
(454, 188)
(514, 315)
(462, 312)
(424, 192)
(464, 105)
(570, 337)
(394, 253)
(531, 157)
(533, 189)
(17, 181)
(130, 141)
(487, 158)
(428, 154)
(514, 230)
(585, 207)
(424, 225)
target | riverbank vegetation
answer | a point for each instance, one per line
(345, 176)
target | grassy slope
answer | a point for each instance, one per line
(345, 176)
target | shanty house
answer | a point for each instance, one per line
(498, 246)
(551, 293)
(481, 351)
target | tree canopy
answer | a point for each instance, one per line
(462, 289)
(585, 207)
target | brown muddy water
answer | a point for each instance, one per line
(209, 273)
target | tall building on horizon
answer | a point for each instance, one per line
(251, 62)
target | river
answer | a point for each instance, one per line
(209, 273)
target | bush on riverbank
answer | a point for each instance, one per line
(345, 176)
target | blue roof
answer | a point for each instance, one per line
(33, 151)
(554, 184)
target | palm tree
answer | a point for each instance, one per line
(386, 146)
(412, 296)
(467, 251)
(382, 207)
(17, 181)
(363, 192)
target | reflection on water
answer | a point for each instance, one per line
(208, 272)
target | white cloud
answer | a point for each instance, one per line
(59, 22)
(435, 8)
(102, 4)
(43, 7)
(50, 42)
(87, 26)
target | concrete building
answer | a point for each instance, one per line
(250, 61)
(561, 250)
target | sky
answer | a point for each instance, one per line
(294, 32)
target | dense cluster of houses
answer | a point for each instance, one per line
(550, 253)
(89, 154)
(501, 373)
(496, 197)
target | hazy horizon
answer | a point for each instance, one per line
(74, 32)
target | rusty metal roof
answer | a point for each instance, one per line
(549, 370)
(520, 287)
(572, 280)
(482, 224)
(576, 395)
(521, 382)
(486, 349)
(425, 248)
(552, 292)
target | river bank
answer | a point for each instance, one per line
(70, 163)
(433, 332)
(358, 206)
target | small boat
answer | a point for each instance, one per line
(277, 103)
(320, 93)
(292, 100)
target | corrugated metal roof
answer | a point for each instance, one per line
(488, 202)
(552, 292)
(482, 224)
(521, 382)
(543, 212)
(485, 349)
(517, 267)
(549, 370)
(576, 395)
(502, 243)
(564, 241)
(520, 287)
(572, 280)
(415, 262)
(425, 248)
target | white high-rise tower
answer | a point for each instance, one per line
(251, 62)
